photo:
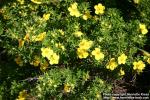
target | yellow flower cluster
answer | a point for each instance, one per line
(98, 54)
(37, 1)
(112, 64)
(50, 55)
(22, 95)
(99, 9)
(138, 66)
(143, 28)
(39, 37)
(122, 59)
(74, 10)
(84, 45)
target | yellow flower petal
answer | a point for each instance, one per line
(39, 37)
(21, 43)
(67, 88)
(46, 52)
(98, 54)
(148, 60)
(138, 66)
(74, 10)
(82, 53)
(46, 16)
(85, 44)
(54, 59)
(36, 1)
(136, 1)
(78, 33)
(122, 72)
(22, 95)
(143, 29)
(122, 59)
(87, 15)
(112, 64)
(99, 9)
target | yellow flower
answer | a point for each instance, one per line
(39, 37)
(112, 64)
(19, 61)
(78, 33)
(22, 95)
(98, 54)
(143, 28)
(148, 60)
(74, 10)
(54, 59)
(85, 44)
(82, 53)
(46, 16)
(21, 1)
(46, 52)
(122, 59)
(139, 66)
(68, 88)
(99, 9)
(44, 66)
(37, 1)
(21, 43)
(136, 1)
(122, 72)
(86, 15)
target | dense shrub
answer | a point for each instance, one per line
(73, 46)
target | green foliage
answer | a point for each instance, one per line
(70, 47)
(64, 83)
